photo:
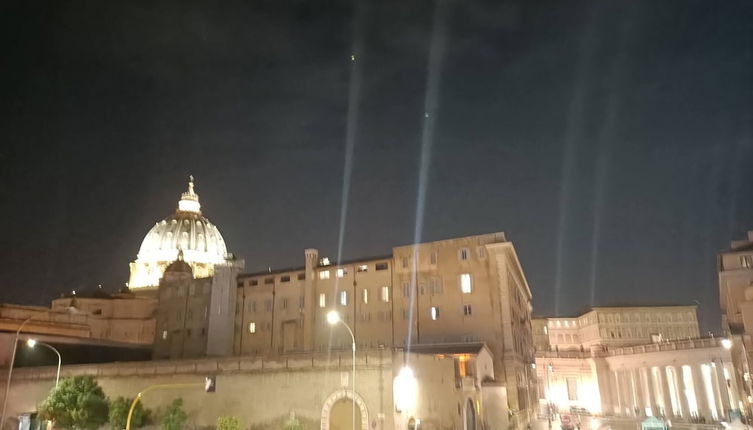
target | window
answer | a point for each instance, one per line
(465, 283)
(468, 310)
(252, 327)
(406, 289)
(385, 294)
(268, 305)
(746, 261)
(434, 312)
(435, 286)
(301, 302)
(322, 300)
(572, 389)
(433, 258)
(252, 307)
(301, 276)
(268, 281)
(365, 296)
(285, 278)
(284, 304)
(363, 268)
(342, 272)
(463, 254)
(404, 261)
(164, 334)
(343, 298)
(481, 252)
(380, 266)
(324, 274)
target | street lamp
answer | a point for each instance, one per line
(10, 372)
(726, 343)
(333, 318)
(31, 343)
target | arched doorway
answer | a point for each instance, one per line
(341, 415)
(470, 415)
(337, 412)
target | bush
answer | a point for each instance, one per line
(228, 423)
(78, 403)
(119, 414)
(174, 417)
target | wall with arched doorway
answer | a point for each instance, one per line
(344, 396)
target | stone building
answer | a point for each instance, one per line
(616, 326)
(463, 290)
(636, 362)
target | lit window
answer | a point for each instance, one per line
(365, 296)
(252, 327)
(322, 300)
(463, 254)
(385, 294)
(324, 274)
(164, 334)
(465, 283)
(467, 310)
(363, 268)
(434, 312)
(342, 272)
(343, 298)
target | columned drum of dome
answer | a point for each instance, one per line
(186, 230)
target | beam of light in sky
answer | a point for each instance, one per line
(351, 129)
(606, 147)
(573, 134)
(431, 105)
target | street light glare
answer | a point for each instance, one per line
(31, 343)
(333, 317)
(726, 343)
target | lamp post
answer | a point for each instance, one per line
(31, 343)
(10, 371)
(333, 318)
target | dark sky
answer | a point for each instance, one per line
(610, 140)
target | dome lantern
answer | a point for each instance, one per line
(189, 201)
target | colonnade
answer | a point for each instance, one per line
(698, 391)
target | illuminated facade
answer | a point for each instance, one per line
(636, 362)
(455, 291)
(186, 231)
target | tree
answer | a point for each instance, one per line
(77, 403)
(228, 423)
(119, 414)
(175, 417)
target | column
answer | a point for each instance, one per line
(723, 391)
(699, 390)
(666, 395)
(638, 393)
(616, 394)
(648, 380)
(733, 387)
(627, 393)
(682, 398)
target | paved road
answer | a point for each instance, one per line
(599, 423)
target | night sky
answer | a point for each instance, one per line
(611, 141)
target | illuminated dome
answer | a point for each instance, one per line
(186, 232)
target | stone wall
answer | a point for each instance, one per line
(263, 393)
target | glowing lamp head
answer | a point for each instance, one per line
(405, 390)
(726, 343)
(333, 317)
(31, 343)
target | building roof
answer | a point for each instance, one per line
(447, 348)
(301, 268)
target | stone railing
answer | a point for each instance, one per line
(672, 345)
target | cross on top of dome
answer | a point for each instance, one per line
(189, 201)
